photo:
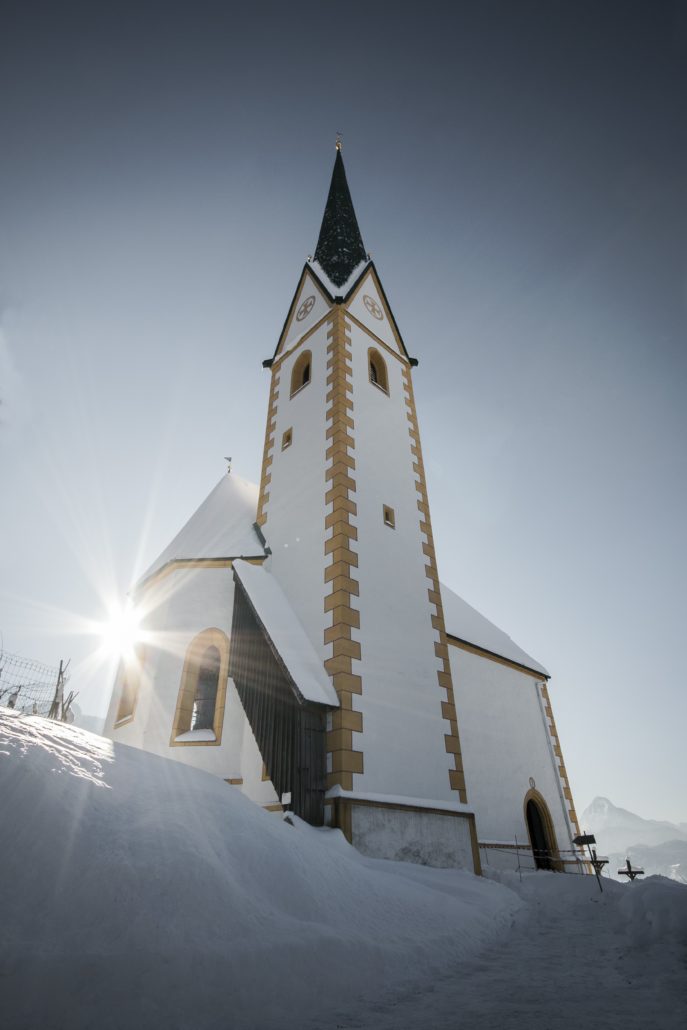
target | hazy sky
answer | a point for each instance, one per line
(519, 174)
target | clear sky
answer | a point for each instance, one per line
(518, 172)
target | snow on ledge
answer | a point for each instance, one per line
(398, 800)
(287, 634)
(195, 735)
(503, 843)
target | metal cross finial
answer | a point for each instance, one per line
(339, 141)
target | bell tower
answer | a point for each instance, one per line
(344, 509)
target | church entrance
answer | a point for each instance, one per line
(541, 833)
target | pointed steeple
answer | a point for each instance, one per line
(340, 246)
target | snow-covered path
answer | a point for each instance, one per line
(567, 961)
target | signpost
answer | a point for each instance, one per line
(597, 863)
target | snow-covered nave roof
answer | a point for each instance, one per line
(467, 624)
(222, 527)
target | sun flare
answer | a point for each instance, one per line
(121, 631)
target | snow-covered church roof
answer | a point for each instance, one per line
(467, 624)
(222, 527)
(281, 626)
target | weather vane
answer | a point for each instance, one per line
(228, 461)
(339, 141)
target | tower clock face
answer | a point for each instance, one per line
(372, 306)
(305, 308)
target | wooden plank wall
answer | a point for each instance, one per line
(290, 732)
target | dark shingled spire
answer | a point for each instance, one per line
(340, 246)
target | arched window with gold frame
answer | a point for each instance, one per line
(199, 714)
(301, 373)
(131, 672)
(376, 366)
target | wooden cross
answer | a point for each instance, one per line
(629, 871)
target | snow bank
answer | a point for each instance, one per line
(653, 910)
(139, 892)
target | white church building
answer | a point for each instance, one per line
(297, 639)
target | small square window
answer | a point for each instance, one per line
(389, 517)
(287, 439)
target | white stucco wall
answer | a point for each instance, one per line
(403, 728)
(295, 529)
(404, 835)
(180, 606)
(505, 741)
(258, 790)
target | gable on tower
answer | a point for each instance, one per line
(310, 304)
(316, 294)
(368, 305)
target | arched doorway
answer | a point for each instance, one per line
(540, 829)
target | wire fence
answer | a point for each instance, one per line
(527, 859)
(33, 688)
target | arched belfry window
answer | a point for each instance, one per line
(301, 372)
(377, 369)
(199, 715)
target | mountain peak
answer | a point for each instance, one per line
(617, 829)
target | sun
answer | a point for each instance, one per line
(121, 631)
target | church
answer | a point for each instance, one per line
(297, 640)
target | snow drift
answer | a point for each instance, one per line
(139, 892)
